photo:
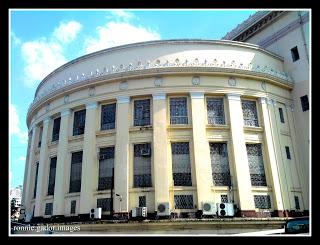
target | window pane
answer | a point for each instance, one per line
(73, 206)
(304, 103)
(262, 201)
(40, 136)
(178, 111)
(256, 166)
(56, 129)
(141, 112)
(104, 203)
(220, 164)
(295, 54)
(183, 201)
(296, 201)
(106, 165)
(108, 116)
(76, 170)
(52, 175)
(142, 201)
(79, 122)
(142, 165)
(250, 116)
(48, 209)
(36, 181)
(181, 164)
(288, 152)
(215, 111)
(281, 115)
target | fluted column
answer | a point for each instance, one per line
(43, 166)
(240, 155)
(270, 151)
(60, 182)
(160, 149)
(89, 160)
(121, 169)
(201, 148)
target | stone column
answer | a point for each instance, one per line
(201, 148)
(42, 172)
(240, 156)
(121, 168)
(270, 151)
(160, 149)
(89, 160)
(62, 152)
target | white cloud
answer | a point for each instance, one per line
(67, 32)
(121, 15)
(14, 125)
(22, 158)
(119, 33)
(16, 40)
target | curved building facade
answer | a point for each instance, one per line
(169, 125)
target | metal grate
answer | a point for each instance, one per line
(79, 122)
(220, 164)
(181, 164)
(215, 111)
(142, 201)
(256, 167)
(250, 115)
(262, 201)
(36, 181)
(52, 175)
(48, 210)
(183, 201)
(296, 201)
(104, 203)
(106, 165)
(108, 116)
(56, 129)
(73, 207)
(178, 111)
(142, 112)
(224, 198)
(76, 171)
(142, 165)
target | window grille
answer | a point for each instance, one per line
(178, 111)
(262, 201)
(142, 201)
(52, 176)
(256, 167)
(224, 198)
(181, 164)
(281, 115)
(76, 171)
(36, 181)
(250, 115)
(142, 165)
(304, 103)
(142, 112)
(183, 201)
(73, 207)
(220, 164)
(48, 210)
(108, 116)
(104, 203)
(288, 152)
(40, 136)
(106, 165)
(215, 111)
(79, 122)
(56, 129)
(296, 201)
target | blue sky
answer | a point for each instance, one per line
(43, 40)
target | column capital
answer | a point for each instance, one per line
(233, 97)
(46, 120)
(91, 105)
(159, 96)
(197, 95)
(65, 112)
(263, 100)
(123, 99)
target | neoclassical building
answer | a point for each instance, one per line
(169, 124)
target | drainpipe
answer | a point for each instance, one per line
(303, 37)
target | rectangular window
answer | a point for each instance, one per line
(183, 202)
(56, 129)
(142, 201)
(256, 167)
(104, 203)
(141, 112)
(79, 122)
(181, 166)
(36, 181)
(224, 198)
(76, 170)
(295, 54)
(142, 165)
(108, 116)
(220, 164)
(178, 111)
(215, 111)
(73, 207)
(288, 152)
(40, 136)
(304, 103)
(262, 201)
(250, 115)
(106, 165)
(296, 201)
(48, 210)
(52, 175)
(281, 115)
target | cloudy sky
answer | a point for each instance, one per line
(42, 40)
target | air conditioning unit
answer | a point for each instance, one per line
(163, 209)
(145, 152)
(139, 212)
(225, 209)
(95, 213)
(209, 208)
